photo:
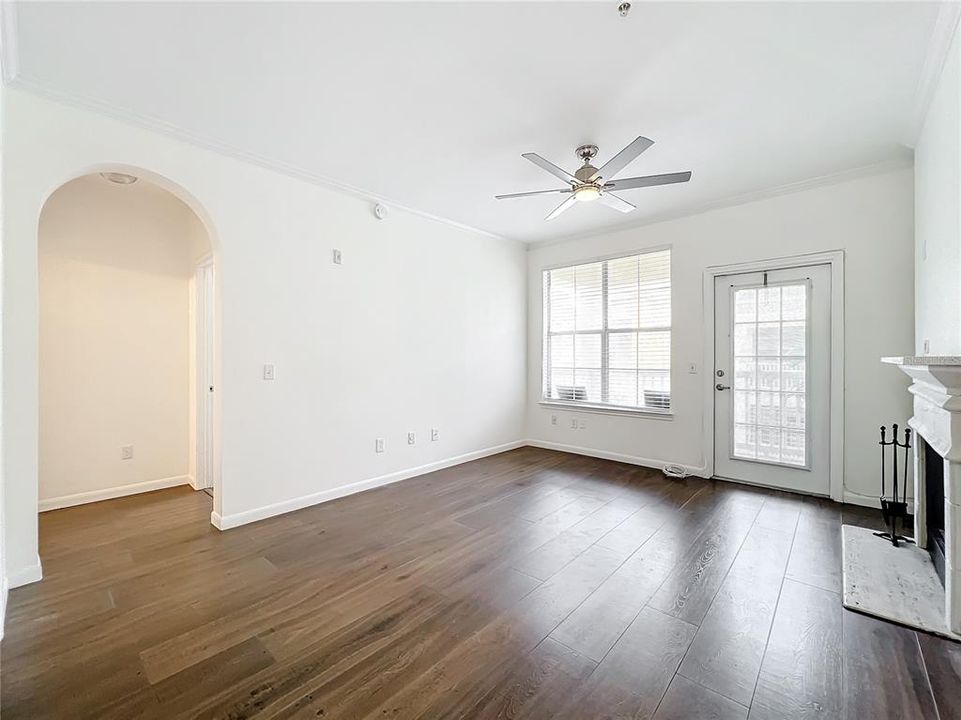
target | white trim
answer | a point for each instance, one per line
(25, 576)
(575, 406)
(834, 258)
(850, 497)
(949, 14)
(225, 522)
(734, 201)
(221, 148)
(83, 498)
(618, 457)
(9, 49)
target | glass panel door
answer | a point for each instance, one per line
(769, 360)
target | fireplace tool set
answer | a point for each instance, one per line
(895, 506)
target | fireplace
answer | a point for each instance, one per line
(936, 422)
(932, 466)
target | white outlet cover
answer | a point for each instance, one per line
(411, 438)
(574, 423)
(338, 258)
(434, 434)
(126, 452)
(553, 419)
(379, 445)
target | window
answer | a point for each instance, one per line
(607, 333)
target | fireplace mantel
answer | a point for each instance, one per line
(936, 388)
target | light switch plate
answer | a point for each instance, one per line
(269, 371)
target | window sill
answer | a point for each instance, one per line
(607, 410)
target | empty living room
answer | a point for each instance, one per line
(570, 359)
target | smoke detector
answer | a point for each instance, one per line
(119, 178)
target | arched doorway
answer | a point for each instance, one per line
(127, 340)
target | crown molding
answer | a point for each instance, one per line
(736, 200)
(175, 132)
(942, 35)
(9, 55)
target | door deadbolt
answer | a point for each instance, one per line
(719, 373)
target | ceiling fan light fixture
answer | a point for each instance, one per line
(586, 193)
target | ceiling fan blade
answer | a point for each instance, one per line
(623, 158)
(535, 192)
(648, 181)
(611, 200)
(561, 208)
(550, 167)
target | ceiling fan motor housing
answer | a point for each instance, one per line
(585, 173)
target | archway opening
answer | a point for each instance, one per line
(126, 342)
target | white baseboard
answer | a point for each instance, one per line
(619, 457)
(25, 576)
(109, 493)
(225, 522)
(871, 501)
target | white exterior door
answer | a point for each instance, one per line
(772, 378)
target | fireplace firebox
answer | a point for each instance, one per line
(934, 503)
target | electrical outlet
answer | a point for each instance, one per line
(338, 258)
(692, 368)
(269, 371)
(434, 435)
(379, 445)
(411, 438)
(553, 419)
(573, 423)
(126, 452)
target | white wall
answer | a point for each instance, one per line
(937, 162)
(4, 584)
(870, 219)
(422, 326)
(116, 263)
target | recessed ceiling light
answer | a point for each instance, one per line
(119, 178)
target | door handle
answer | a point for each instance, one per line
(722, 387)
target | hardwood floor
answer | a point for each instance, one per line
(531, 584)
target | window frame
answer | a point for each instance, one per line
(604, 332)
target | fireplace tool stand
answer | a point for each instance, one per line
(895, 506)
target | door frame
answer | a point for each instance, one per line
(204, 303)
(834, 258)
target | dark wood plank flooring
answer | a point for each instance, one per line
(531, 584)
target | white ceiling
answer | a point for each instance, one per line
(430, 105)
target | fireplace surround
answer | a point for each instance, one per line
(936, 421)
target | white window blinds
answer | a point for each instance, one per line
(607, 332)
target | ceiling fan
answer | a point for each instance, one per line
(591, 183)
